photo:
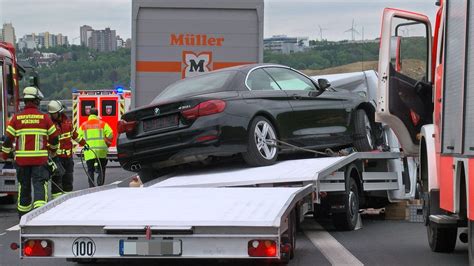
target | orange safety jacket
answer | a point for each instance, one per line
(67, 133)
(33, 131)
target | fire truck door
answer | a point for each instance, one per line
(109, 111)
(85, 104)
(404, 96)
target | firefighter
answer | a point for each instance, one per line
(32, 131)
(63, 182)
(99, 137)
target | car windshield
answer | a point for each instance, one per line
(207, 83)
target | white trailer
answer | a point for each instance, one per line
(230, 212)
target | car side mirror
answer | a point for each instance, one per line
(323, 84)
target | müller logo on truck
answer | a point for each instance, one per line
(188, 39)
(195, 64)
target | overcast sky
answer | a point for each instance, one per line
(290, 17)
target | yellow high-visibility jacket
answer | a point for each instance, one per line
(98, 136)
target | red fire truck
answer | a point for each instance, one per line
(426, 95)
(10, 75)
(111, 105)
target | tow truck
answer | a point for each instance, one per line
(430, 108)
(111, 105)
(226, 211)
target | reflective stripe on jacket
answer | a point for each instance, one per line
(67, 133)
(98, 136)
(32, 130)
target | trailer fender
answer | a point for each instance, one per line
(428, 175)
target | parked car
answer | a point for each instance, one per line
(243, 110)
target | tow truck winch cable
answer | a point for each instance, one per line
(327, 152)
(87, 172)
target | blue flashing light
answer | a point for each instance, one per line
(119, 90)
(74, 90)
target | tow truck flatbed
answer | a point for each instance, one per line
(302, 170)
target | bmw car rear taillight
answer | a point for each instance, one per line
(205, 108)
(126, 126)
(38, 248)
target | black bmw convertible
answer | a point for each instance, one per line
(243, 110)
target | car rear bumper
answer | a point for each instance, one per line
(208, 136)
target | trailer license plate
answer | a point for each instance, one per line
(160, 122)
(160, 247)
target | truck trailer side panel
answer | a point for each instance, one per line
(166, 48)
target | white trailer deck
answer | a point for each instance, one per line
(171, 208)
(222, 212)
(321, 172)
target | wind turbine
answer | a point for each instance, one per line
(321, 29)
(353, 30)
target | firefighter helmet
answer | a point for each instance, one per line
(55, 106)
(32, 93)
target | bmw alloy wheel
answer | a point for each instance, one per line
(265, 140)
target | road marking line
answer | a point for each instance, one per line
(14, 228)
(334, 252)
(4, 233)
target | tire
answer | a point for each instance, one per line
(267, 152)
(442, 239)
(347, 220)
(363, 135)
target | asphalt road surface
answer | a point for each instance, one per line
(379, 242)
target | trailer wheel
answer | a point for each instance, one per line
(442, 239)
(261, 146)
(348, 219)
(364, 138)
